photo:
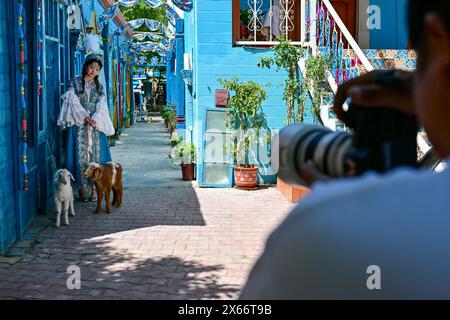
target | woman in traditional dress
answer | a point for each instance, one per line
(86, 143)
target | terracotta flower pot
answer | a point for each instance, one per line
(246, 178)
(188, 171)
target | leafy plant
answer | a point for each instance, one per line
(244, 117)
(176, 140)
(316, 73)
(296, 90)
(286, 57)
(183, 153)
(169, 116)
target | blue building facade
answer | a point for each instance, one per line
(39, 54)
(217, 44)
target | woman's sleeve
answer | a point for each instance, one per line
(71, 113)
(71, 84)
(101, 90)
(102, 118)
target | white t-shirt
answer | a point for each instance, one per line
(399, 222)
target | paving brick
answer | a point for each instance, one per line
(169, 241)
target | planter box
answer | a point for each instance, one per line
(293, 193)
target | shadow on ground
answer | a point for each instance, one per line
(114, 276)
(101, 244)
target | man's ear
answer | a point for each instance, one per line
(97, 173)
(437, 35)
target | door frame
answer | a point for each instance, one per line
(11, 6)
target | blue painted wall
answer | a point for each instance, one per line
(7, 189)
(394, 32)
(17, 207)
(209, 39)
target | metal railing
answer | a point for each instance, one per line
(329, 36)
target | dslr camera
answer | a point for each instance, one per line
(380, 139)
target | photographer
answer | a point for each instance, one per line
(376, 236)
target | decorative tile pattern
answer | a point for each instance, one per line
(388, 59)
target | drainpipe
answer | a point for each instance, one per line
(106, 67)
(168, 78)
(180, 86)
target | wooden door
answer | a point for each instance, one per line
(347, 12)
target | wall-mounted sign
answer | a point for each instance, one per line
(73, 17)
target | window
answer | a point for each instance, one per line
(260, 22)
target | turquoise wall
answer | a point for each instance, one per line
(215, 57)
(394, 32)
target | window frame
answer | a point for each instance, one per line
(237, 42)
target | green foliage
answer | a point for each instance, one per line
(169, 116)
(183, 153)
(243, 116)
(316, 73)
(245, 17)
(143, 11)
(286, 57)
(176, 141)
(187, 153)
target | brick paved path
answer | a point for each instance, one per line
(169, 241)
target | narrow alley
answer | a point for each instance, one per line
(170, 240)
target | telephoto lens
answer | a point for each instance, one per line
(299, 143)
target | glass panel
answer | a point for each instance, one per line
(215, 120)
(217, 148)
(217, 174)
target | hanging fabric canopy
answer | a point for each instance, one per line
(131, 3)
(185, 5)
(109, 14)
(150, 46)
(150, 24)
(141, 36)
(171, 15)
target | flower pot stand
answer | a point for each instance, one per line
(293, 194)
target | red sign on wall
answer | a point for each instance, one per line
(221, 98)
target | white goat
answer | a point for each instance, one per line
(63, 195)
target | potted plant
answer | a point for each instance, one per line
(183, 154)
(245, 120)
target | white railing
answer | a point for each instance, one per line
(325, 33)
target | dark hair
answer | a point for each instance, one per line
(86, 65)
(417, 11)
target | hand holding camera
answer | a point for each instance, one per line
(384, 132)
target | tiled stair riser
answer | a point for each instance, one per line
(388, 59)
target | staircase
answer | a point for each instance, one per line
(326, 34)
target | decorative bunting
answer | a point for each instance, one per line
(185, 5)
(22, 79)
(40, 43)
(141, 36)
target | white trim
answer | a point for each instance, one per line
(362, 30)
(266, 43)
(302, 20)
(313, 31)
